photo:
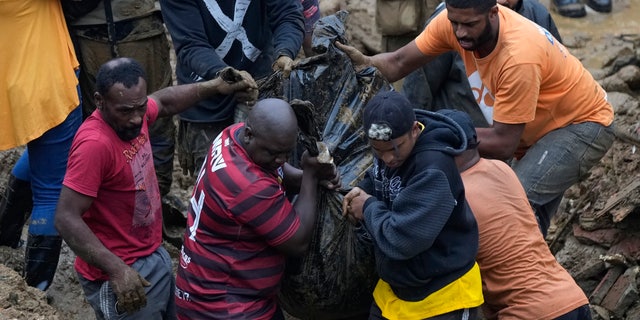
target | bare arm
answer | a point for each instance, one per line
(306, 203)
(175, 99)
(126, 283)
(500, 141)
(393, 65)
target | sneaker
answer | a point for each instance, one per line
(600, 5)
(570, 8)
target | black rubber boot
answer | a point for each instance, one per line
(15, 208)
(41, 260)
(600, 5)
(569, 8)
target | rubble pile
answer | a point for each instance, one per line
(596, 234)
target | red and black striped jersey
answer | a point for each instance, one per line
(229, 267)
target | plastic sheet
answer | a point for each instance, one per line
(335, 279)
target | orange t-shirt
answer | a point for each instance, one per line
(529, 77)
(37, 77)
(521, 279)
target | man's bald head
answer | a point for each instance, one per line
(270, 133)
(274, 118)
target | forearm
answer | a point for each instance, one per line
(492, 146)
(397, 64)
(176, 99)
(306, 204)
(84, 243)
(287, 26)
(389, 65)
(292, 178)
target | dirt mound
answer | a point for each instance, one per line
(19, 301)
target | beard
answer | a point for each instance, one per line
(485, 36)
(128, 134)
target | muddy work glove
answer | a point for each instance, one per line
(128, 286)
(284, 64)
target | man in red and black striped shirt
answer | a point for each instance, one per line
(240, 223)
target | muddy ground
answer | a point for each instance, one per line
(597, 39)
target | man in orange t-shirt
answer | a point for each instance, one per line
(521, 278)
(548, 112)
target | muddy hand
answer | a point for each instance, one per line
(245, 90)
(331, 180)
(229, 81)
(352, 204)
(358, 59)
(128, 286)
(284, 64)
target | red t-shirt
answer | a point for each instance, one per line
(229, 268)
(126, 213)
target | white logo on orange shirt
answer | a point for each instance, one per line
(483, 96)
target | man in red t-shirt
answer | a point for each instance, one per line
(240, 224)
(109, 211)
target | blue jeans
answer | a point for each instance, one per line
(557, 161)
(48, 156)
(579, 313)
(21, 168)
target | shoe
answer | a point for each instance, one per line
(570, 8)
(600, 5)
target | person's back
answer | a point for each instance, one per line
(521, 278)
(224, 232)
(35, 96)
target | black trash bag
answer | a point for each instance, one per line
(335, 279)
